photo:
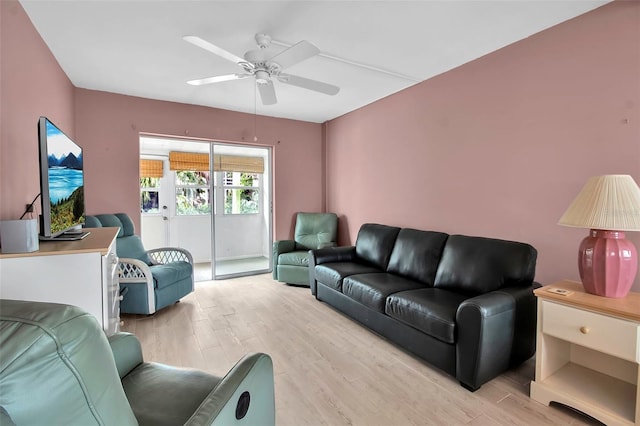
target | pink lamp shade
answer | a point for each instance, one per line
(608, 205)
(608, 263)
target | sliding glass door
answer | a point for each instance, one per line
(213, 199)
(242, 237)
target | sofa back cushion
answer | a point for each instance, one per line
(476, 265)
(416, 255)
(375, 243)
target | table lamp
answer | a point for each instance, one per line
(608, 205)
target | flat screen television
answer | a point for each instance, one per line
(61, 184)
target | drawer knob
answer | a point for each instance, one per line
(584, 330)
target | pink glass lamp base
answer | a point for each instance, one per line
(608, 263)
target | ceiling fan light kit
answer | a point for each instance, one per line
(263, 69)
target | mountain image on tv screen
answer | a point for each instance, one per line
(66, 180)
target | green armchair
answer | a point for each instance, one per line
(291, 257)
(57, 367)
(149, 279)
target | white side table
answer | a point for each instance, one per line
(588, 353)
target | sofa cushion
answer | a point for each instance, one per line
(477, 265)
(375, 243)
(416, 254)
(331, 274)
(294, 258)
(430, 310)
(170, 273)
(372, 289)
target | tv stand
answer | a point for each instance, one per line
(82, 273)
(67, 236)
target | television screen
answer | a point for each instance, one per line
(61, 181)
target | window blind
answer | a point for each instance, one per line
(188, 161)
(151, 168)
(221, 163)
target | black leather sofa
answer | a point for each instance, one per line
(464, 304)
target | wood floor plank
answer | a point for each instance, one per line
(328, 369)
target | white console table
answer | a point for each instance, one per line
(588, 353)
(83, 273)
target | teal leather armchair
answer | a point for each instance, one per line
(149, 279)
(291, 257)
(57, 367)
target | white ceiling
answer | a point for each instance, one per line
(136, 47)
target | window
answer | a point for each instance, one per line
(192, 193)
(241, 192)
(150, 173)
(149, 194)
(237, 182)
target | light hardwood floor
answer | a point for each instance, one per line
(328, 369)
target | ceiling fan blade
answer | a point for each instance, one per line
(296, 53)
(197, 41)
(217, 79)
(267, 93)
(307, 83)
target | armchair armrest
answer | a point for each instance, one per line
(244, 396)
(485, 325)
(166, 255)
(279, 247)
(134, 271)
(126, 352)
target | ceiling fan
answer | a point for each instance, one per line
(256, 63)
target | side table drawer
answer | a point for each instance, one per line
(602, 333)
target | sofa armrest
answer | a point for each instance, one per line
(333, 254)
(327, 255)
(524, 337)
(279, 247)
(485, 326)
(244, 396)
(126, 352)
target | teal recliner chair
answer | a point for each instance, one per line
(149, 279)
(57, 367)
(291, 257)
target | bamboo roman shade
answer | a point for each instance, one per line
(150, 168)
(229, 163)
(221, 163)
(188, 161)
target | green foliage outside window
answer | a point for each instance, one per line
(240, 200)
(192, 193)
(149, 194)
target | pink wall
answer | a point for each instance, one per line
(500, 146)
(32, 84)
(108, 125)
